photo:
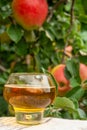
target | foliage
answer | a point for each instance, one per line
(24, 51)
(72, 105)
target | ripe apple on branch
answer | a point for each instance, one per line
(63, 82)
(30, 14)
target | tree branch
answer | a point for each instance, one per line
(54, 8)
(72, 12)
(70, 28)
(2, 68)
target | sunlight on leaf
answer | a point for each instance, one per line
(65, 103)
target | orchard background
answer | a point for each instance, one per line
(46, 47)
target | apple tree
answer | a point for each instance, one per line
(61, 38)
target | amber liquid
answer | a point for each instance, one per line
(29, 97)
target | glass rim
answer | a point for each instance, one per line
(40, 80)
(30, 73)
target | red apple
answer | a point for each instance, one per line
(83, 72)
(63, 83)
(30, 14)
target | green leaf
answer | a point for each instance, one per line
(21, 48)
(79, 5)
(50, 35)
(72, 69)
(84, 3)
(65, 103)
(38, 62)
(15, 33)
(2, 80)
(72, 66)
(3, 2)
(73, 82)
(81, 114)
(75, 93)
(85, 102)
(51, 112)
(84, 84)
(84, 35)
(83, 18)
(5, 9)
(30, 36)
(76, 103)
(3, 106)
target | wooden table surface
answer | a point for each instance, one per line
(9, 123)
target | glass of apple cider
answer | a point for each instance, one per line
(29, 94)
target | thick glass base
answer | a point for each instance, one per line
(30, 117)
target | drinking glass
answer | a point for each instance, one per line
(29, 94)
